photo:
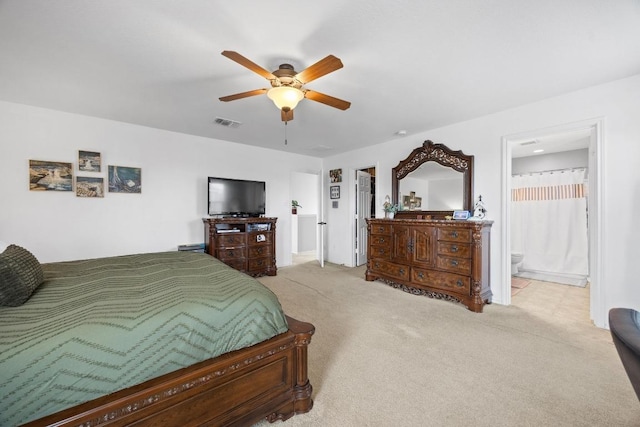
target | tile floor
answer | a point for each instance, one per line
(553, 300)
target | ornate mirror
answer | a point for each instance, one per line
(433, 182)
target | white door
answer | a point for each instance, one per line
(363, 211)
(322, 226)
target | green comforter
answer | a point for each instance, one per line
(100, 325)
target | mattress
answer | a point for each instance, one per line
(101, 325)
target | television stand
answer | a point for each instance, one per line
(246, 244)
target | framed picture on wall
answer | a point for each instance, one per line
(50, 176)
(89, 161)
(335, 175)
(334, 191)
(89, 186)
(124, 179)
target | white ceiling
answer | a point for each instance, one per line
(408, 65)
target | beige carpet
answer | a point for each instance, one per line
(383, 357)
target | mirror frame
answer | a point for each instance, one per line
(440, 153)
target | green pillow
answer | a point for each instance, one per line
(20, 275)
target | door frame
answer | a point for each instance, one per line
(595, 208)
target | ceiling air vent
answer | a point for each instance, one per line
(535, 141)
(227, 122)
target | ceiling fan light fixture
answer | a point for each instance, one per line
(285, 97)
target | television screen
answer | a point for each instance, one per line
(236, 197)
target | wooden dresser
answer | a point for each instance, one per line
(246, 244)
(443, 259)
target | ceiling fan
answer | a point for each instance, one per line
(287, 84)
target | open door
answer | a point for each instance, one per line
(363, 211)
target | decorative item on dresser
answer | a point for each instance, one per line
(246, 244)
(437, 258)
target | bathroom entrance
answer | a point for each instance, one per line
(549, 215)
(552, 210)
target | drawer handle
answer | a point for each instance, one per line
(454, 234)
(454, 263)
(459, 283)
(454, 248)
(381, 239)
(259, 250)
(401, 271)
(381, 229)
(421, 275)
(377, 264)
(260, 262)
(229, 252)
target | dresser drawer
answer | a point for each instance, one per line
(380, 229)
(454, 234)
(230, 253)
(380, 251)
(440, 280)
(231, 239)
(259, 264)
(455, 265)
(380, 240)
(461, 250)
(260, 238)
(258, 251)
(238, 264)
(397, 271)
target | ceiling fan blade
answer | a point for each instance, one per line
(327, 100)
(235, 56)
(287, 116)
(243, 95)
(319, 69)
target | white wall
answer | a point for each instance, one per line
(618, 103)
(553, 161)
(59, 226)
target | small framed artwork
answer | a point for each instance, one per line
(334, 204)
(335, 175)
(460, 214)
(88, 186)
(124, 179)
(89, 161)
(418, 202)
(334, 191)
(406, 203)
(50, 176)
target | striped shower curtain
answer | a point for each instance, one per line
(549, 221)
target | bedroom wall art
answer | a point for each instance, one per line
(89, 161)
(50, 176)
(124, 179)
(334, 191)
(87, 186)
(335, 175)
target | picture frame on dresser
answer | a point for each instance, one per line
(460, 214)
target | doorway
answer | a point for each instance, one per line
(304, 218)
(365, 208)
(592, 130)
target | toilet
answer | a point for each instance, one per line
(516, 260)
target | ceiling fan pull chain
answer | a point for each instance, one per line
(285, 133)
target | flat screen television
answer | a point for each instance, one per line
(236, 197)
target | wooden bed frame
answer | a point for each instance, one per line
(268, 380)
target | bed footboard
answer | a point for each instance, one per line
(268, 380)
